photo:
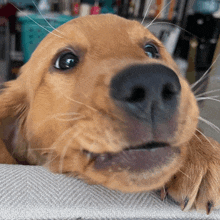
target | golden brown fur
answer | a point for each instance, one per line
(50, 118)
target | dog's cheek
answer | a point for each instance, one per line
(188, 114)
(43, 139)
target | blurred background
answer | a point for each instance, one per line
(189, 30)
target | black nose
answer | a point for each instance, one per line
(149, 91)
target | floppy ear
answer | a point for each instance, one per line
(12, 106)
(12, 99)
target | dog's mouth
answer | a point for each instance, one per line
(135, 159)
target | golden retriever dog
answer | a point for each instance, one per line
(101, 99)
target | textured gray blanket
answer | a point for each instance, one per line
(31, 192)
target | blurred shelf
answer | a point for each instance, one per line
(16, 55)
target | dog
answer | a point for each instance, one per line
(101, 99)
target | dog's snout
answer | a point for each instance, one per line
(149, 91)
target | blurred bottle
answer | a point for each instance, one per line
(66, 7)
(44, 6)
(75, 6)
(95, 9)
(84, 9)
(206, 6)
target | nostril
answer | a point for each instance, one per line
(138, 94)
(168, 92)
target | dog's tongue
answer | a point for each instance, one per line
(135, 160)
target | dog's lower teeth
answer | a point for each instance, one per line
(88, 155)
(102, 157)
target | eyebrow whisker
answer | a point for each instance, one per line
(36, 22)
(46, 19)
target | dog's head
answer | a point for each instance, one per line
(102, 99)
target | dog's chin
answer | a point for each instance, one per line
(145, 157)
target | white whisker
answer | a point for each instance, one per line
(41, 148)
(175, 25)
(205, 138)
(54, 145)
(36, 22)
(64, 152)
(45, 18)
(164, 191)
(208, 92)
(208, 98)
(109, 137)
(62, 158)
(49, 160)
(158, 14)
(198, 137)
(203, 76)
(67, 113)
(66, 132)
(71, 119)
(202, 84)
(148, 7)
(58, 117)
(70, 99)
(216, 128)
(185, 174)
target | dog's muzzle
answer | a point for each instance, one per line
(148, 95)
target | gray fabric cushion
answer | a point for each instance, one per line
(32, 192)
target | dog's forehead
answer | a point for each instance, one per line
(105, 29)
(93, 23)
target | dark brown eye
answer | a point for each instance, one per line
(151, 51)
(66, 61)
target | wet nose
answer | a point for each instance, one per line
(150, 91)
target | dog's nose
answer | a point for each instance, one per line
(149, 91)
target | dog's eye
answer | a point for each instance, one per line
(151, 51)
(66, 61)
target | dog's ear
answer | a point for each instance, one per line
(12, 99)
(12, 105)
